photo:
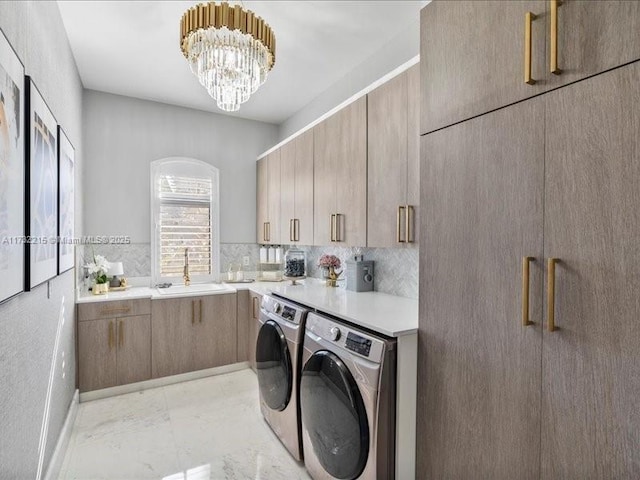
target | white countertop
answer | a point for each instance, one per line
(387, 314)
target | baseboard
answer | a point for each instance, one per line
(160, 382)
(55, 464)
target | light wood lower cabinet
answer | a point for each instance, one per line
(113, 351)
(193, 333)
(244, 316)
(254, 313)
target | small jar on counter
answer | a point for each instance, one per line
(295, 263)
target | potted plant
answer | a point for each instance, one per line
(331, 262)
(98, 270)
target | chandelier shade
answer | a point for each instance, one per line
(230, 49)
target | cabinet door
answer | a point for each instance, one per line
(244, 318)
(262, 200)
(591, 367)
(96, 354)
(482, 212)
(472, 58)
(325, 151)
(172, 336)
(304, 189)
(134, 349)
(350, 177)
(387, 148)
(593, 36)
(256, 300)
(413, 152)
(216, 337)
(274, 172)
(287, 191)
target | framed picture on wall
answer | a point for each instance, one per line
(41, 189)
(11, 172)
(66, 160)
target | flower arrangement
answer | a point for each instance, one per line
(98, 270)
(327, 261)
(331, 262)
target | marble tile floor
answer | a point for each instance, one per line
(210, 428)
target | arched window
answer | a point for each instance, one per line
(185, 217)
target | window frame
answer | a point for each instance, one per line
(184, 167)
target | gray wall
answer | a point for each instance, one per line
(30, 321)
(123, 135)
(398, 51)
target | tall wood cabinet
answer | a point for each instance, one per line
(193, 333)
(393, 183)
(114, 343)
(296, 190)
(528, 345)
(268, 199)
(487, 54)
(340, 177)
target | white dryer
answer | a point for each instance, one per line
(278, 353)
(347, 401)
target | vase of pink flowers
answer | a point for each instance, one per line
(330, 263)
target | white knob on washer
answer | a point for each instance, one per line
(335, 333)
(277, 307)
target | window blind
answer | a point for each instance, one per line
(185, 222)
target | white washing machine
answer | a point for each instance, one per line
(347, 401)
(278, 354)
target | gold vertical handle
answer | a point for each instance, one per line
(337, 220)
(333, 234)
(193, 312)
(264, 231)
(551, 293)
(399, 239)
(528, 18)
(268, 231)
(553, 62)
(110, 340)
(200, 310)
(120, 333)
(408, 223)
(296, 229)
(291, 230)
(525, 291)
(255, 308)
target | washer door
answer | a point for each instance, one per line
(334, 415)
(273, 363)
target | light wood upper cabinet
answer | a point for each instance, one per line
(393, 161)
(193, 333)
(114, 344)
(592, 36)
(340, 177)
(268, 186)
(303, 219)
(472, 58)
(287, 190)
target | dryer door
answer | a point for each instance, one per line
(273, 363)
(334, 415)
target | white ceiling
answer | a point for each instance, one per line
(132, 48)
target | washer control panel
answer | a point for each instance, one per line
(359, 344)
(274, 307)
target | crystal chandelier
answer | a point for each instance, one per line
(231, 50)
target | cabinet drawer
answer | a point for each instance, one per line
(111, 309)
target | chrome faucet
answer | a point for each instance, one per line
(187, 279)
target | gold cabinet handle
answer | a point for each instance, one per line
(525, 291)
(528, 18)
(338, 229)
(110, 341)
(200, 310)
(291, 229)
(408, 222)
(553, 57)
(551, 293)
(296, 229)
(255, 308)
(264, 231)
(120, 333)
(399, 239)
(114, 310)
(332, 227)
(268, 231)
(193, 312)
